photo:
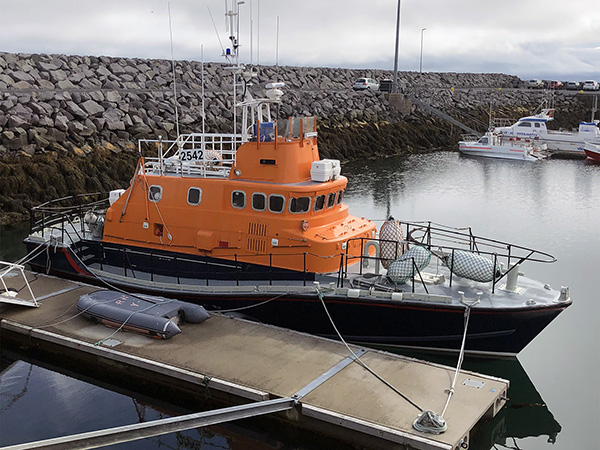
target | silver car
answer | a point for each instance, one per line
(365, 83)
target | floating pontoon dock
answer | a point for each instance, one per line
(246, 362)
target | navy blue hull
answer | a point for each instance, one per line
(375, 322)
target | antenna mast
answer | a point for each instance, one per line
(174, 79)
(202, 81)
(232, 54)
(277, 53)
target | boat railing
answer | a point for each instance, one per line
(498, 122)
(209, 155)
(192, 155)
(470, 137)
(233, 269)
(297, 127)
(443, 242)
(66, 215)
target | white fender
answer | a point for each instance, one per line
(391, 237)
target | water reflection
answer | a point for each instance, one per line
(525, 415)
(59, 403)
(38, 393)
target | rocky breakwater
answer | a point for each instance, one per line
(70, 124)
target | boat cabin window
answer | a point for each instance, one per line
(299, 204)
(319, 202)
(483, 140)
(276, 203)
(259, 201)
(194, 196)
(155, 193)
(524, 124)
(537, 125)
(340, 196)
(331, 199)
(238, 199)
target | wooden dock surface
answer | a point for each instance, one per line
(252, 361)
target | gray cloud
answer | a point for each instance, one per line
(542, 38)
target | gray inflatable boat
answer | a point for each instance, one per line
(156, 317)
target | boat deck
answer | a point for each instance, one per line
(246, 361)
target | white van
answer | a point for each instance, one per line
(365, 83)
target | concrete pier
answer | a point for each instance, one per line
(242, 362)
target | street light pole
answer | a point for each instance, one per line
(395, 83)
(421, 62)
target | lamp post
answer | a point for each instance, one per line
(395, 82)
(421, 61)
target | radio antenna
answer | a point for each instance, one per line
(202, 92)
(174, 80)
(216, 31)
(277, 53)
(251, 33)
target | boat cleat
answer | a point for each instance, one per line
(470, 301)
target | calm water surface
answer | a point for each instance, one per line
(552, 206)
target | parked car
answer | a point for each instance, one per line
(535, 84)
(573, 85)
(555, 84)
(591, 85)
(362, 84)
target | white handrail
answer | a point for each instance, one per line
(10, 268)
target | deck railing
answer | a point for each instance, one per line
(193, 155)
(443, 241)
(71, 210)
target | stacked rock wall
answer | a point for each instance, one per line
(76, 103)
(70, 124)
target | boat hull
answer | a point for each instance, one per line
(296, 304)
(496, 151)
(592, 151)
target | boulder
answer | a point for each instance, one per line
(15, 139)
(75, 110)
(19, 75)
(92, 108)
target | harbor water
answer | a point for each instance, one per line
(552, 206)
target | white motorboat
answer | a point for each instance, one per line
(494, 145)
(534, 127)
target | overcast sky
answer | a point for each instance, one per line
(548, 39)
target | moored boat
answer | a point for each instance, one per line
(567, 142)
(592, 151)
(157, 317)
(494, 145)
(253, 223)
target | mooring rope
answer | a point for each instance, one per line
(242, 308)
(215, 310)
(133, 313)
(461, 356)
(362, 363)
(123, 291)
(427, 421)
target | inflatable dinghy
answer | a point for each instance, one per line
(153, 316)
